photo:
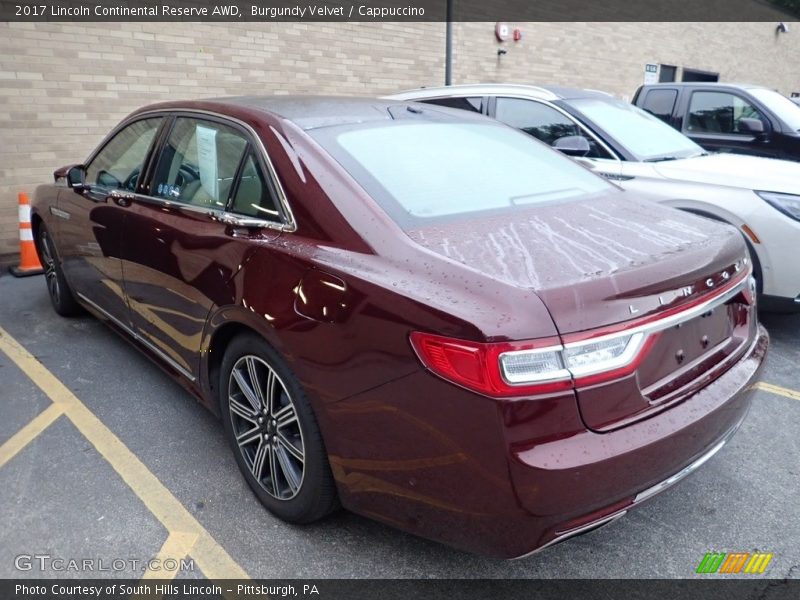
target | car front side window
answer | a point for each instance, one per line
(720, 112)
(542, 122)
(198, 163)
(118, 164)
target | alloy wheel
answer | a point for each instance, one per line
(48, 257)
(266, 426)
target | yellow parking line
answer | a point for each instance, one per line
(776, 389)
(25, 435)
(177, 547)
(212, 559)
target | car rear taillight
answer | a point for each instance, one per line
(499, 369)
(508, 369)
(544, 366)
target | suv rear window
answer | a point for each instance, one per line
(660, 103)
(471, 103)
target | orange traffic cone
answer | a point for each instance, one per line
(28, 259)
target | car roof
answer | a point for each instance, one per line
(308, 112)
(712, 84)
(316, 111)
(541, 92)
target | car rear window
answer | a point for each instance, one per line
(434, 170)
(660, 103)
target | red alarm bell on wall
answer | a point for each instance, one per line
(501, 31)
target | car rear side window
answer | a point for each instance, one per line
(199, 162)
(471, 103)
(542, 122)
(660, 103)
(432, 170)
(119, 163)
(720, 112)
(253, 196)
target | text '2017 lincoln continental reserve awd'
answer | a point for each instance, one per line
(422, 315)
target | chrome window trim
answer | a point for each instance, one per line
(216, 214)
(287, 223)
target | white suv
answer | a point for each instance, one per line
(759, 196)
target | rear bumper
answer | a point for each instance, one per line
(576, 484)
(506, 478)
(596, 523)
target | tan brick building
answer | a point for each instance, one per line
(64, 85)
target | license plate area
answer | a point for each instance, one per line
(687, 352)
(685, 358)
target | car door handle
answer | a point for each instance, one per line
(122, 198)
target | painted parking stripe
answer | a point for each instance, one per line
(213, 560)
(177, 547)
(776, 389)
(24, 436)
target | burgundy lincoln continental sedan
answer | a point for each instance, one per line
(419, 314)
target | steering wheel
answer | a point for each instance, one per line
(186, 175)
(132, 180)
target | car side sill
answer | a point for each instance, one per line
(154, 349)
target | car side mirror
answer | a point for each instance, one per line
(572, 145)
(76, 178)
(751, 126)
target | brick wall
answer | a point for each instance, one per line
(612, 56)
(63, 86)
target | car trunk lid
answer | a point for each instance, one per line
(607, 264)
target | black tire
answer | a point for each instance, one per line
(751, 251)
(756, 266)
(58, 289)
(268, 454)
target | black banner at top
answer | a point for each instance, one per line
(398, 10)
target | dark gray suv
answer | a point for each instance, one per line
(745, 119)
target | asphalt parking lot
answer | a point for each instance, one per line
(108, 458)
